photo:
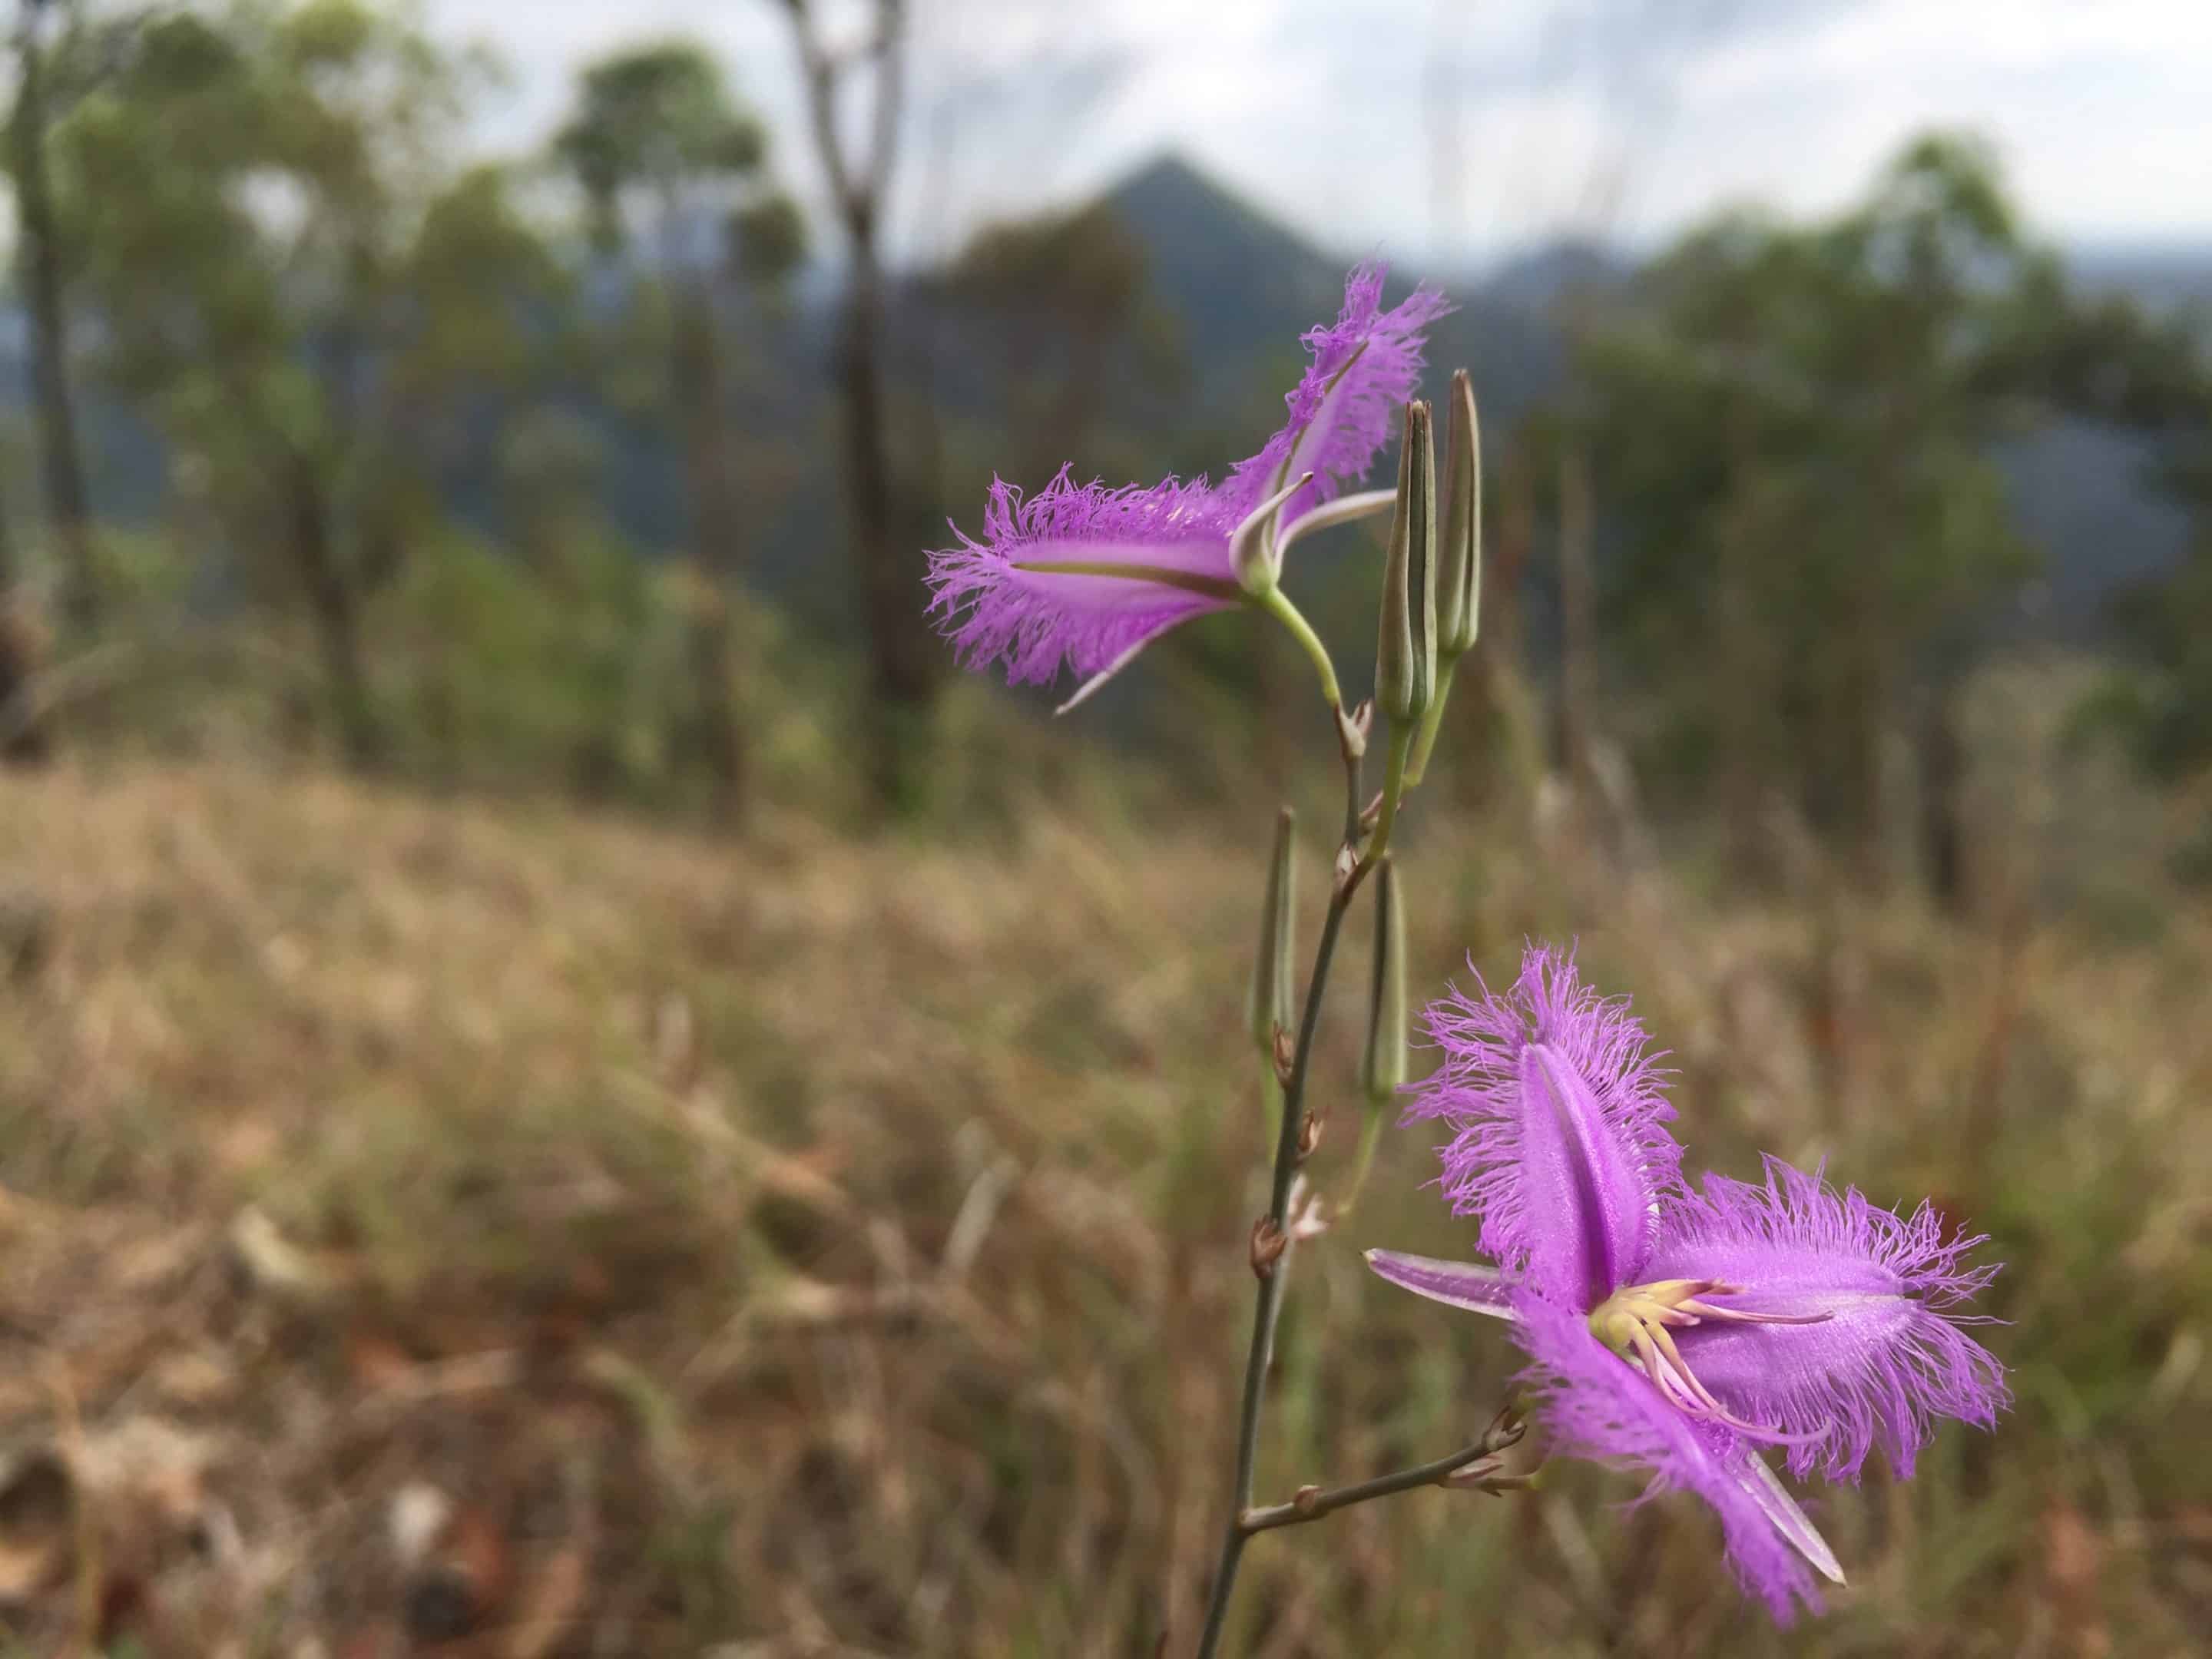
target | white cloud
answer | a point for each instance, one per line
(1636, 114)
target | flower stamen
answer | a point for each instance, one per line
(1634, 1322)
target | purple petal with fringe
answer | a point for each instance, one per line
(1888, 1355)
(1561, 1150)
(1082, 576)
(1342, 411)
(1596, 1406)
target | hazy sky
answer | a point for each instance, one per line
(1633, 116)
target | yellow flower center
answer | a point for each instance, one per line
(1638, 1322)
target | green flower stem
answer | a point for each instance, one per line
(1312, 1504)
(1277, 604)
(1424, 742)
(1393, 790)
(1271, 1095)
(1273, 1276)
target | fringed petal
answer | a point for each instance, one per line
(1888, 1356)
(1594, 1405)
(1561, 1150)
(1145, 559)
(1343, 410)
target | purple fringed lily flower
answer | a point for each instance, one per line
(1085, 576)
(1684, 1331)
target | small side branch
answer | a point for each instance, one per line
(1475, 1464)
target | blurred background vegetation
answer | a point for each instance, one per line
(566, 1089)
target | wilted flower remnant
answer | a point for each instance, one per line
(1684, 1331)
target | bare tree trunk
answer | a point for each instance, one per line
(902, 655)
(696, 374)
(335, 610)
(23, 734)
(903, 677)
(62, 464)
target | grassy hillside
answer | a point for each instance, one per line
(431, 1222)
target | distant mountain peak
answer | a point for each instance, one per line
(1222, 263)
(1171, 193)
(1170, 170)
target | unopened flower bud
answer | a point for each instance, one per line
(1459, 556)
(1382, 1067)
(1268, 1009)
(1406, 653)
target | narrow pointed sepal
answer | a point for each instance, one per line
(1254, 552)
(1789, 1520)
(1098, 683)
(1345, 509)
(1594, 1403)
(1467, 1285)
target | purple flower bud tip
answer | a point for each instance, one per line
(1682, 1330)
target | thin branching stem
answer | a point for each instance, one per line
(1313, 1503)
(1271, 1273)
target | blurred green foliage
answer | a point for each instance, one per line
(395, 389)
(1795, 424)
(299, 290)
(2161, 699)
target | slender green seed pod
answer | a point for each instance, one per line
(1382, 1067)
(1273, 979)
(1406, 651)
(1459, 557)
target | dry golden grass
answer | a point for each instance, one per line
(427, 1220)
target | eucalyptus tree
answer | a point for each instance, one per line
(40, 260)
(865, 72)
(676, 169)
(1794, 426)
(302, 289)
(1798, 429)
